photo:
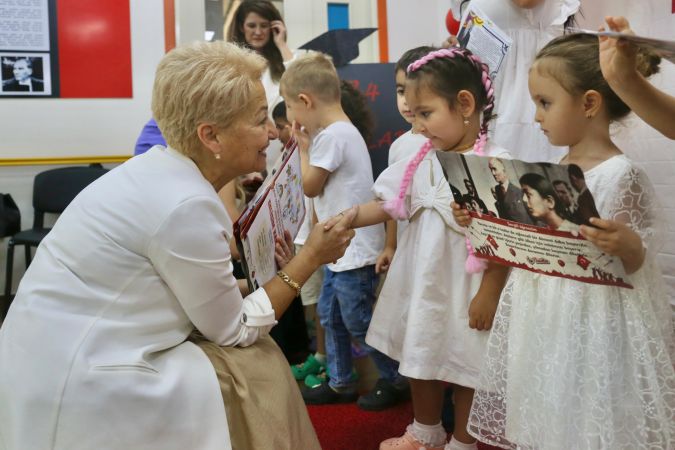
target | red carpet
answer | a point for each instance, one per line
(346, 427)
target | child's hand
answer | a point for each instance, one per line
(482, 311)
(284, 250)
(384, 260)
(615, 238)
(462, 216)
(301, 136)
(618, 58)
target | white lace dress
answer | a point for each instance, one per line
(530, 30)
(421, 316)
(580, 366)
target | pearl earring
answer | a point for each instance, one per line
(466, 121)
(217, 155)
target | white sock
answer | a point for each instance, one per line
(320, 357)
(454, 444)
(431, 435)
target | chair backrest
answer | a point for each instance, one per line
(54, 189)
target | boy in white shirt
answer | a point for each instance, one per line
(337, 174)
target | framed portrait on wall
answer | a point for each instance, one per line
(25, 74)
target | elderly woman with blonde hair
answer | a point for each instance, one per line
(95, 351)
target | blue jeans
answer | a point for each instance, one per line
(345, 308)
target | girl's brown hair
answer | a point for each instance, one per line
(573, 60)
(266, 10)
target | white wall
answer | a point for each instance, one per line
(639, 141)
(190, 21)
(415, 23)
(80, 127)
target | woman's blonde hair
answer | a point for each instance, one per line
(203, 82)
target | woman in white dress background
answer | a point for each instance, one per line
(530, 24)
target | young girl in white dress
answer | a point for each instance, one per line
(432, 315)
(573, 365)
(530, 24)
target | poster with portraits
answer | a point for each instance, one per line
(528, 215)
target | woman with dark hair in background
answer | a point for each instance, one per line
(257, 24)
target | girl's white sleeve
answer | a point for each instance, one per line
(637, 207)
(190, 252)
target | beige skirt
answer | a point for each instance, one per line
(263, 403)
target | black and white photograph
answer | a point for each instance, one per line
(528, 215)
(25, 74)
(545, 195)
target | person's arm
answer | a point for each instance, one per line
(484, 304)
(367, 214)
(243, 287)
(279, 36)
(384, 259)
(618, 62)
(313, 178)
(321, 247)
(197, 268)
(228, 195)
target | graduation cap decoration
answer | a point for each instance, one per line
(342, 45)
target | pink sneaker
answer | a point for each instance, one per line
(406, 442)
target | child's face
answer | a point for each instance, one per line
(560, 115)
(284, 129)
(434, 118)
(298, 111)
(400, 98)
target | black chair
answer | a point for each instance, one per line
(53, 190)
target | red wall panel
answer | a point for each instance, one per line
(94, 48)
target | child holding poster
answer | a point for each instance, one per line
(571, 364)
(432, 315)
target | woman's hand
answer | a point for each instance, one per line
(327, 246)
(461, 215)
(278, 32)
(617, 239)
(482, 311)
(278, 29)
(284, 250)
(618, 57)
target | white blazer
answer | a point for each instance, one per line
(93, 352)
